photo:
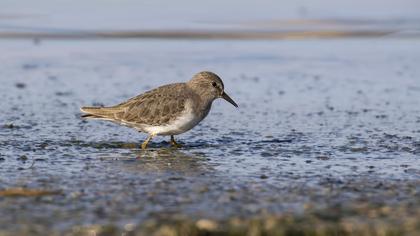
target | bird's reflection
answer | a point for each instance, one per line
(156, 159)
(163, 160)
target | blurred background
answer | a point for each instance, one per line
(261, 19)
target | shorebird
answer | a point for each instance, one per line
(171, 109)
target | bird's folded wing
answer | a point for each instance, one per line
(156, 107)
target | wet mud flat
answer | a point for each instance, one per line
(326, 139)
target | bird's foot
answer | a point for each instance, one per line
(144, 144)
(174, 143)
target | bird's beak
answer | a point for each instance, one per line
(227, 98)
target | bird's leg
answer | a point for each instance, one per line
(144, 144)
(174, 143)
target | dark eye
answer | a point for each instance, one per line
(214, 84)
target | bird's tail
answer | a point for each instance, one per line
(99, 112)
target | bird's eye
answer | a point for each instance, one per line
(214, 84)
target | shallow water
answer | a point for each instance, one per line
(321, 124)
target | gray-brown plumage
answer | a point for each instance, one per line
(167, 110)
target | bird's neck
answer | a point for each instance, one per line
(202, 105)
(202, 99)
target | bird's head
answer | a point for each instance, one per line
(209, 85)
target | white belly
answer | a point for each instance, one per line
(183, 123)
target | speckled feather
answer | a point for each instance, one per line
(155, 107)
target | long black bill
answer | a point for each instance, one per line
(230, 100)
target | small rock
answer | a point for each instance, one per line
(9, 126)
(20, 85)
(207, 225)
(22, 158)
(176, 178)
(323, 158)
(358, 149)
(263, 176)
(29, 66)
(129, 227)
(381, 116)
(59, 93)
(266, 154)
(43, 145)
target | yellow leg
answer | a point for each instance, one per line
(144, 144)
(174, 143)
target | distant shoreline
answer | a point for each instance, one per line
(208, 34)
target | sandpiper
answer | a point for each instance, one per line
(167, 110)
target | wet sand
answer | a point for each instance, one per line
(326, 139)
